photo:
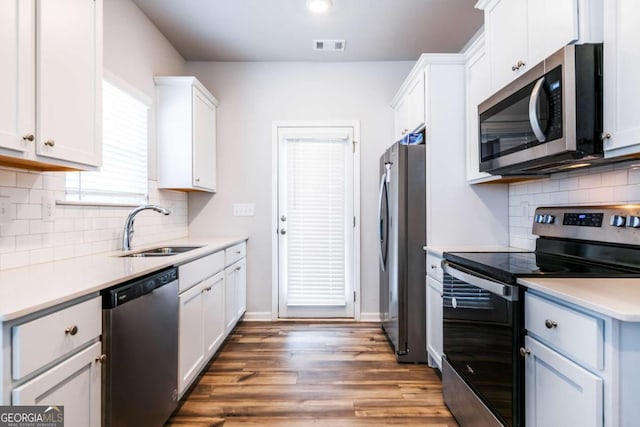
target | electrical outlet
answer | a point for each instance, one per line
(48, 207)
(5, 210)
(244, 209)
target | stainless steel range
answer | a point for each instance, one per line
(482, 369)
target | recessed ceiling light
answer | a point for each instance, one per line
(318, 6)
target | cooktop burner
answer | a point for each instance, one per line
(580, 241)
(508, 266)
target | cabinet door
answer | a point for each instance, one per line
(558, 391)
(16, 75)
(415, 97)
(69, 80)
(204, 142)
(401, 118)
(506, 24)
(621, 83)
(241, 287)
(231, 297)
(74, 383)
(434, 321)
(551, 25)
(191, 336)
(213, 315)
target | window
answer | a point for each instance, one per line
(123, 176)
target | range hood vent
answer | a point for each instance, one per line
(329, 45)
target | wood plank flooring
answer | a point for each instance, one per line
(299, 374)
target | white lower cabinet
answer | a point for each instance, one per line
(201, 327)
(434, 322)
(235, 293)
(54, 357)
(75, 384)
(558, 391)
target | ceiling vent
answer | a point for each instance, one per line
(329, 45)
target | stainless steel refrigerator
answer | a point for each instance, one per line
(402, 224)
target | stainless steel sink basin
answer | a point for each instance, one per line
(162, 251)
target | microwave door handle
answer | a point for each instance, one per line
(533, 110)
(383, 180)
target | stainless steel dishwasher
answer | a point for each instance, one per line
(140, 339)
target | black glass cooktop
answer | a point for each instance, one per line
(508, 266)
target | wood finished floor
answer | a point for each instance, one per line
(296, 374)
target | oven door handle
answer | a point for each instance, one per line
(504, 291)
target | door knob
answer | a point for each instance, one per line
(283, 231)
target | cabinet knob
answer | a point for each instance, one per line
(550, 324)
(49, 143)
(72, 330)
(101, 359)
(524, 352)
(605, 136)
(238, 269)
(28, 137)
(433, 266)
(197, 179)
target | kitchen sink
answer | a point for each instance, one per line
(162, 251)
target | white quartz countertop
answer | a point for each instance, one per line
(439, 250)
(26, 290)
(616, 298)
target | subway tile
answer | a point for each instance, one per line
(29, 211)
(14, 228)
(7, 178)
(14, 259)
(590, 181)
(579, 197)
(28, 242)
(16, 195)
(29, 180)
(634, 175)
(39, 256)
(7, 244)
(627, 193)
(570, 183)
(601, 195)
(614, 178)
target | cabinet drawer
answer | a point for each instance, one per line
(578, 335)
(198, 270)
(434, 267)
(41, 341)
(234, 253)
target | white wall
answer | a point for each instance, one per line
(134, 51)
(252, 96)
(611, 184)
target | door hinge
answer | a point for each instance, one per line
(354, 222)
(353, 146)
(354, 296)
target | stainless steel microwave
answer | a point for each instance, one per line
(549, 119)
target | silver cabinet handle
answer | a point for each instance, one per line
(550, 324)
(72, 330)
(101, 359)
(524, 352)
(49, 143)
(28, 137)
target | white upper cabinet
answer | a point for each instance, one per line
(477, 75)
(521, 33)
(186, 120)
(51, 80)
(409, 107)
(621, 83)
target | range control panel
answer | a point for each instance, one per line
(611, 223)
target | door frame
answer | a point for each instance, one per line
(355, 124)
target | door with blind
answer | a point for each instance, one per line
(316, 222)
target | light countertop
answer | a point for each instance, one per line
(29, 289)
(438, 250)
(616, 298)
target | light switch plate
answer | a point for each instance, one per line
(244, 209)
(5, 210)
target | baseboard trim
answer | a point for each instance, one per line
(369, 317)
(257, 316)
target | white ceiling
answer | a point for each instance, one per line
(283, 30)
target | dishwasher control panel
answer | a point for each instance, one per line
(128, 291)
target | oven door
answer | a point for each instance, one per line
(482, 332)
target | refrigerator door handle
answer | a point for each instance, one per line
(383, 180)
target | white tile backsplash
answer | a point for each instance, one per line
(75, 230)
(608, 184)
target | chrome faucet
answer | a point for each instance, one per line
(128, 225)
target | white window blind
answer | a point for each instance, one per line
(316, 221)
(123, 175)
